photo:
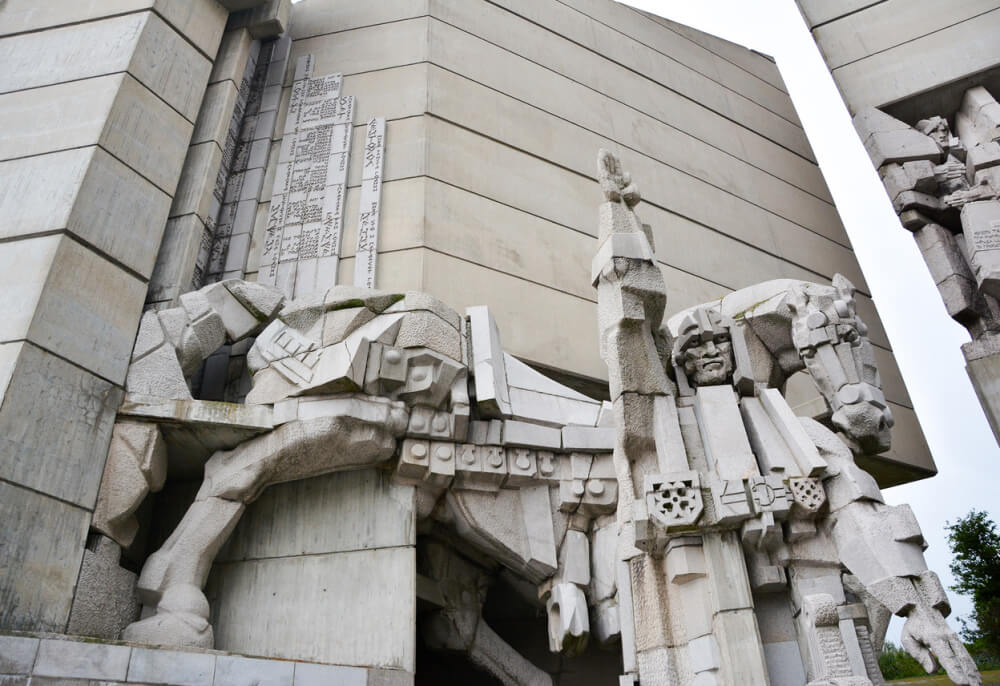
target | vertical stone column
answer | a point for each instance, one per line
(97, 113)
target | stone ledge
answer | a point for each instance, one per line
(60, 660)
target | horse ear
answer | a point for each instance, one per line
(797, 298)
(845, 289)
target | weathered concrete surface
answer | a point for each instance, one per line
(89, 193)
(281, 607)
(67, 661)
(63, 457)
(44, 538)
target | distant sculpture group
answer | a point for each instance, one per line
(693, 518)
(944, 184)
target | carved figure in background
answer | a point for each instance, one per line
(945, 190)
(747, 521)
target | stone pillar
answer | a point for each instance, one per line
(982, 362)
(97, 113)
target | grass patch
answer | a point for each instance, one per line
(991, 678)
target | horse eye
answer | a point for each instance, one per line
(851, 336)
(809, 353)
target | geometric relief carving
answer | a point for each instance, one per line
(674, 499)
(808, 494)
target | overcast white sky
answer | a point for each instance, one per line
(926, 341)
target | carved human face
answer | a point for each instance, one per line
(937, 128)
(709, 363)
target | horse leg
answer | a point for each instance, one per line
(361, 434)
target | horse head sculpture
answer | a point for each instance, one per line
(781, 327)
(833, 344)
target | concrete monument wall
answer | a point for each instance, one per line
(920, 62)
(493, 112)
(882, 53)
(116, 117)
(97, 105)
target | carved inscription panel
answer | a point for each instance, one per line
(301, 251)
(371, 191)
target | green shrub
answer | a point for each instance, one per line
(896, 663)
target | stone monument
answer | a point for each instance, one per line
(226, 466)
(946, 190)
(693, 520)
(757, 551)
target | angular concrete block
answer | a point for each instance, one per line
(21, 16)
(984, 372)
(252, 600)
(591, 439)
(66, 463)
(216, 113)
(723, 433)
(322, 675)
(141, 43)
(231, 670)
(24, 266)
(267, 20)
(136, 465)
(82, 307)
(89, 193)
(195, 190)
(82, 660)
(529, 435)
(740, 647)
(40, 536)
(889, 140)
(172, 667)
(17, 654)
(978, 122)
(727, 572)
(70, 53)
(35, 121)
(287, 518)
(201, 22)
(177, 261)
(982, 157)
(981, 226)
(105, 600)
(170, 67)
(231, 59)
(146, 134)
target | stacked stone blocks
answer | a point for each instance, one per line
(28, 659)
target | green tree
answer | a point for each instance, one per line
(896, 663)
(975, 544)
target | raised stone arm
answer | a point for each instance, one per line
(882, 547)
(631, 293)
